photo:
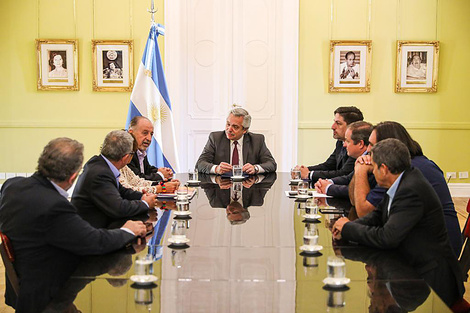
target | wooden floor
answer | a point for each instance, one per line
(460, 206)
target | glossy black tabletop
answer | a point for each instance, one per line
(247, 260)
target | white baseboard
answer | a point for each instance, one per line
(459, 190)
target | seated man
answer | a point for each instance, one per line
(356, 143)
(338, 164)
(428, 168)
(98, 195)
(142, 130)
(236, 146)
(46, 233)
(409, 218)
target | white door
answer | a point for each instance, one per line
(221, 52)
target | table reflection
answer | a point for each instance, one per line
(253, 266)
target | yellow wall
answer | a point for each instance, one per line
(439, 122)
(29, 118)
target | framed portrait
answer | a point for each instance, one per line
(350, 66)
(417, 64)
(57, 64)
(112, 65)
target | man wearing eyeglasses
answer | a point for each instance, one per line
(98, 196)
(236, 146)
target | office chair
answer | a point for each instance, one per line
(6, 250)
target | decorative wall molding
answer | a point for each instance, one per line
(459, 190)
(58, 124)
(417, 125)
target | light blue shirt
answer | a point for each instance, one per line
(392, 190)
(113, 168)
(61, 191)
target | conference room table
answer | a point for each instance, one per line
(252, 265)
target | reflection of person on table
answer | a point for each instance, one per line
(416, 70)
(59, 70)
(349, 69)
(236, 146)
(112, 71)
(251, 192)
(394, 285)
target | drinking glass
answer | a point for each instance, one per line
(143, 265)
(295, 174)
(178, 229)
(310, 234)
(182, 194)
(237, 171)
(193, 175)
(303, 188)
(336, 267)
(311, 207)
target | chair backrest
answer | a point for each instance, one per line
(8, 257)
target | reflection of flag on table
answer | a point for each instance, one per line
(155, 243)
(150, 98)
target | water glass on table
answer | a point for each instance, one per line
(295, 174)
(237, 171)
(143, 265)
(303, 188)
(336, 267)
(193, 175)
(182, 194)
(310, 234)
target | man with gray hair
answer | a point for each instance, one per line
(410, 219)
(236, 146)
(46, 233)
(98, 195)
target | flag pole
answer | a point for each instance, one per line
(152, 11)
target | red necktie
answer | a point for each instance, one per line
(235, 153)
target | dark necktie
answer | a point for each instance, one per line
(235, 153)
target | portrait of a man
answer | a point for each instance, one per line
(57, 64)
(349, 67)
(416, 69)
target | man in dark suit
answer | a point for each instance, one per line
(142, 130)
(409, 218)
(46, 233)
(339, 163)
(356, 143)
(236, 146)
(98, 195)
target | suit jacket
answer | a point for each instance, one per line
(338, 164)
(217, 150)
(47, 236)
(340, 188)
(415, 225)
(99, 199)
(150, 171)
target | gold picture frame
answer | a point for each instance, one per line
(417, 66)
(57, 62)
(113, 65)
(350, 62)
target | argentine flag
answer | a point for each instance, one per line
(150, 98)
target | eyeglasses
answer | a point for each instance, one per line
(131, 153)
